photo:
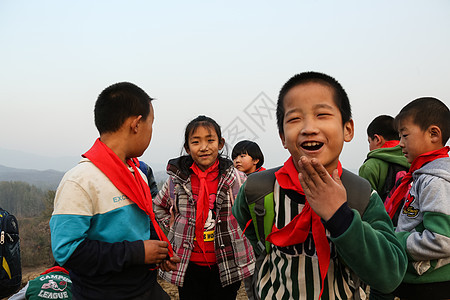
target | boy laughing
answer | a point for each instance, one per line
(319, 246)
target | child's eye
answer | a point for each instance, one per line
(292, 119)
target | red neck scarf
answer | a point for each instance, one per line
(390, 144)
(298, 229)
(134, 187)
(399, 194)
(203, 200)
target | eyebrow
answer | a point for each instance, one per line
(197, 136)
(323, 106)
(317, 106)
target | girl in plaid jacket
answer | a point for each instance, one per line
(194, 206)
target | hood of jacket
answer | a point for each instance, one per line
(181, 166)
(438, 168)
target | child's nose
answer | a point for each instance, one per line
(309, 126)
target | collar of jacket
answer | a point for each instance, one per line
(180, 166)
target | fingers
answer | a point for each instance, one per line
(155, 251)
(312, 173)
(170, 264)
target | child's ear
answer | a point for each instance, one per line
(282, 139)
(255, 161)
(379, 140)
(349, 131)
(435, 134)
(221, 143)
(134, 125)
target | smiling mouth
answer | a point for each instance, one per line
(312, 146)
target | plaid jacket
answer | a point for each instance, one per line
(234, 253)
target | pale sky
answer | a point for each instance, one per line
(224, 59)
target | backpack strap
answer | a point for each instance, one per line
(358, 190)
(259, 194)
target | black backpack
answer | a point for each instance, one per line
(10, 266)
(393, 177)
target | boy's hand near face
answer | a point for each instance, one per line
(324, 193)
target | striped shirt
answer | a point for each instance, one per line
(293, 272)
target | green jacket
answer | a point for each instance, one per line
(376, 166)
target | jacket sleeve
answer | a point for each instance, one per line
(370, 248)
(431, 240)
(96, 257)
(242, 214)
(162, 204)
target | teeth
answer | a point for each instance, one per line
(311, 144)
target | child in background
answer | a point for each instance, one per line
(247, 157)
(423, 224)
(194, 205)
(318, 247)
(385, 163)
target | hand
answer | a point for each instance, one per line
(170, 264)
(325, 194)
(155, 251)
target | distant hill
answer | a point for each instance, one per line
(45, 180)
(48, 179)
(25, 160)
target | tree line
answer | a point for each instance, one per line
(33, 208)
(22, 199)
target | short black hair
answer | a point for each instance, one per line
(118, 102)
(250, 148)
(383, 125)
(340, 96)
(427, 111)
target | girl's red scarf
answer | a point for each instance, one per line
(134, 187)
(203, 199)
(298, 229)
(399, 194)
